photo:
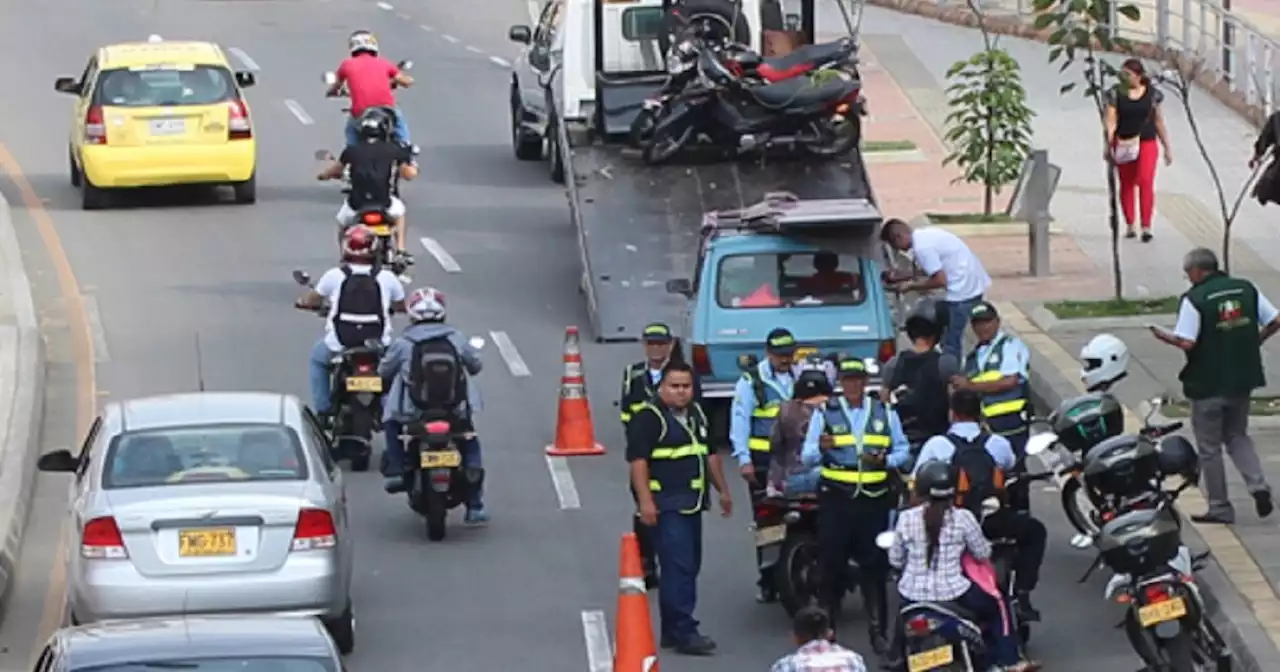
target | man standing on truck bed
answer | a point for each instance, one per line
(947, 262)
(757, 400)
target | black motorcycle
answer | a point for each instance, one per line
(379, 220)
(438, 481)
(786, 531)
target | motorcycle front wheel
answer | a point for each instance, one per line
(834, 136)
(642, 128)
(1074, 501)
(664, 143)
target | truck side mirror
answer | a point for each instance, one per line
(680, 286)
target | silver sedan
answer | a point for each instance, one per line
(207, 503)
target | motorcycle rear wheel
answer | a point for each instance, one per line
(1072, 493)
(796, 576)
(1180, 652)
(436, 514)
(661, 146)
(835, 140)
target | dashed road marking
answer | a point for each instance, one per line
(515, 363)
(442, 255)
(403, 16)
(500, 62)
(595, 630)
(385, 6)
(296, 108)
(244, 58)
(429, 29)
(450, 39)
(562, 479)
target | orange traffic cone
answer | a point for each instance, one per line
(575, 435)
(633, 642)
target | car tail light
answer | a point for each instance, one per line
(701, 362)
(887, 350)
(238, 126)
(372, 218)
(101, 540)
(919, 626)
(315, 531)
(95, 129)
(1155, 593)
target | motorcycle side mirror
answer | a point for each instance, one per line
(990, 505)
(476, 342)
(1041, 443)
(748, 363)
(330, 78)
(302, 277)
(405, 65)
(885, 539)
(323, 155)
(417, 150)
(1081, 541)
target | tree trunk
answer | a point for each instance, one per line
(1226, 245)
(989, 190)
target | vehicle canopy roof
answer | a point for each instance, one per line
(841, 225)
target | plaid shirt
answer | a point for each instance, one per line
(820, 656)
(945, 580)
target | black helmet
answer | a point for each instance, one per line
(812, 382)
(1085, 421)
(1177, 457)
(935, 480)
(927, 319)
(375, 124)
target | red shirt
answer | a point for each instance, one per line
(368, 81)
(763, 297)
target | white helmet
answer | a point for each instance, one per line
(1105, 360)
(425, 305)
(362, 40)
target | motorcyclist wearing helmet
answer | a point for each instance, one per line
(361, 295)
(929, 542)
(368, 77)
(919, 376)
(426, 310)
(1104, 361)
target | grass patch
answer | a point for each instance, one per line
(1067, 310)
(1181, 408)
(969, 218)
(888, 146)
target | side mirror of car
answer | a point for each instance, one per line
(476, 342)
(1041, 443)
(748, 363)
(885, 539)
(330, 78)
(58, 460)
(66, 85)
(302, 277)
(520, 34)
(246, 79)
(680, 286)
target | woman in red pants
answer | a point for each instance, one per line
(1134, 124)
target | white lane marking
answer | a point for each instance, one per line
(385, 6)
(402, 15)
(595, 629)
(244, 58)
(442, 255)
(450, 39)
(515, 363)
(93, 314)
(296, 108)
(474, 50)
(562, 479)
(500, 62)
(429, 29)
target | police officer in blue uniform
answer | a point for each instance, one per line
(858, 440)
(671, 467)
(757, 400)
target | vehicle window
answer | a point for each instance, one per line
(89, 75)
(86, 448)
(203, 454)
(320, 440)
(778, 280)
(166, 85)
(232, 664)
(642, 23)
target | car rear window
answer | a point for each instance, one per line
(165, 85)
(203, 454)
(231, 664)
(782, 280)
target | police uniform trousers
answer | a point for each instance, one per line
(1019, 494)
(644, 537)
(847, 527)
(678, 540)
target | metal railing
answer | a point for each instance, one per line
(1233, 50)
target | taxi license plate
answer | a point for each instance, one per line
(168, 126)
(929, 660)
(802, 353)
(1174, 607)
(380, 231)
(438, 459)
(206, 543)
(770, 535)
(364, 384)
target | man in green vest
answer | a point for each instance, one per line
(1222, 323)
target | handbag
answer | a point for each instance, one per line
(1127, 150)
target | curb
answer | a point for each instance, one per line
(1227, 607)
(21, 429)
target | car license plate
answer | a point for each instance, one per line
(381, 231)
(929, 660)
(802, 353)
(439, 459)
(211, 542)
(168, 126)
(1174, 607)
(770, 535)
(364, 384)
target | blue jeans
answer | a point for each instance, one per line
(1001, 641)
(803, 483)
(402, 129)
(957, 320)
(318, 372)
(393, 460)
(678, 539)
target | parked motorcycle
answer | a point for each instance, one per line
(331, 78)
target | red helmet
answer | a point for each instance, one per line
(358, 242)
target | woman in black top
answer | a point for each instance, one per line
(1134, 124)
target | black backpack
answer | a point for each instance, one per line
(437, 379)
(360, 315)
(923, 408)
(977, 475)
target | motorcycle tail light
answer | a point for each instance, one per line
(437, 427)
(765, 511)
(372, 218)
(919, 626)
(364, 367)
(1155, 593)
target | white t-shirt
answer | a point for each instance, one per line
(330, 285)
(1188, 325)
(937, 249)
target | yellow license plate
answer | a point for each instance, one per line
(364, 384)
(380, 231)
(770, 535)
(801, 353)
(446, 459)
(929, 660)
(1174, 607)
(206, 543)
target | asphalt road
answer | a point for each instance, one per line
(171, 266)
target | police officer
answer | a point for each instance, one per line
(757, 400)
(670, 465)
(860, 440)
(998, 370)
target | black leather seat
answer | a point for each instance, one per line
(809, 53)
(801, 92)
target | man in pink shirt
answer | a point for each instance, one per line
(368, 78)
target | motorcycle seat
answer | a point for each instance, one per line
(800, 92)
(805, 58)
(953, 609)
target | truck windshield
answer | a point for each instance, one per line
(780, 280)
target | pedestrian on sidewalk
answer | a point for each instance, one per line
(1222, 323)
(1267, 189)
(1134, 123)
(947, 263)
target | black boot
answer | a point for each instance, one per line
(877, 605)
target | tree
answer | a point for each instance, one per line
(989, 126)
(1080, 36)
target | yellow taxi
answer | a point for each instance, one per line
(160, 113)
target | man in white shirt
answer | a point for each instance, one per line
(360, 308)
(947, 263)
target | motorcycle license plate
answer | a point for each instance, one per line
(1168, 610)
(770, 535)
(930, 660)
(441, 459)
(381, 231)
(364, 384)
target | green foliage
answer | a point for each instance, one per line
(989, 126)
